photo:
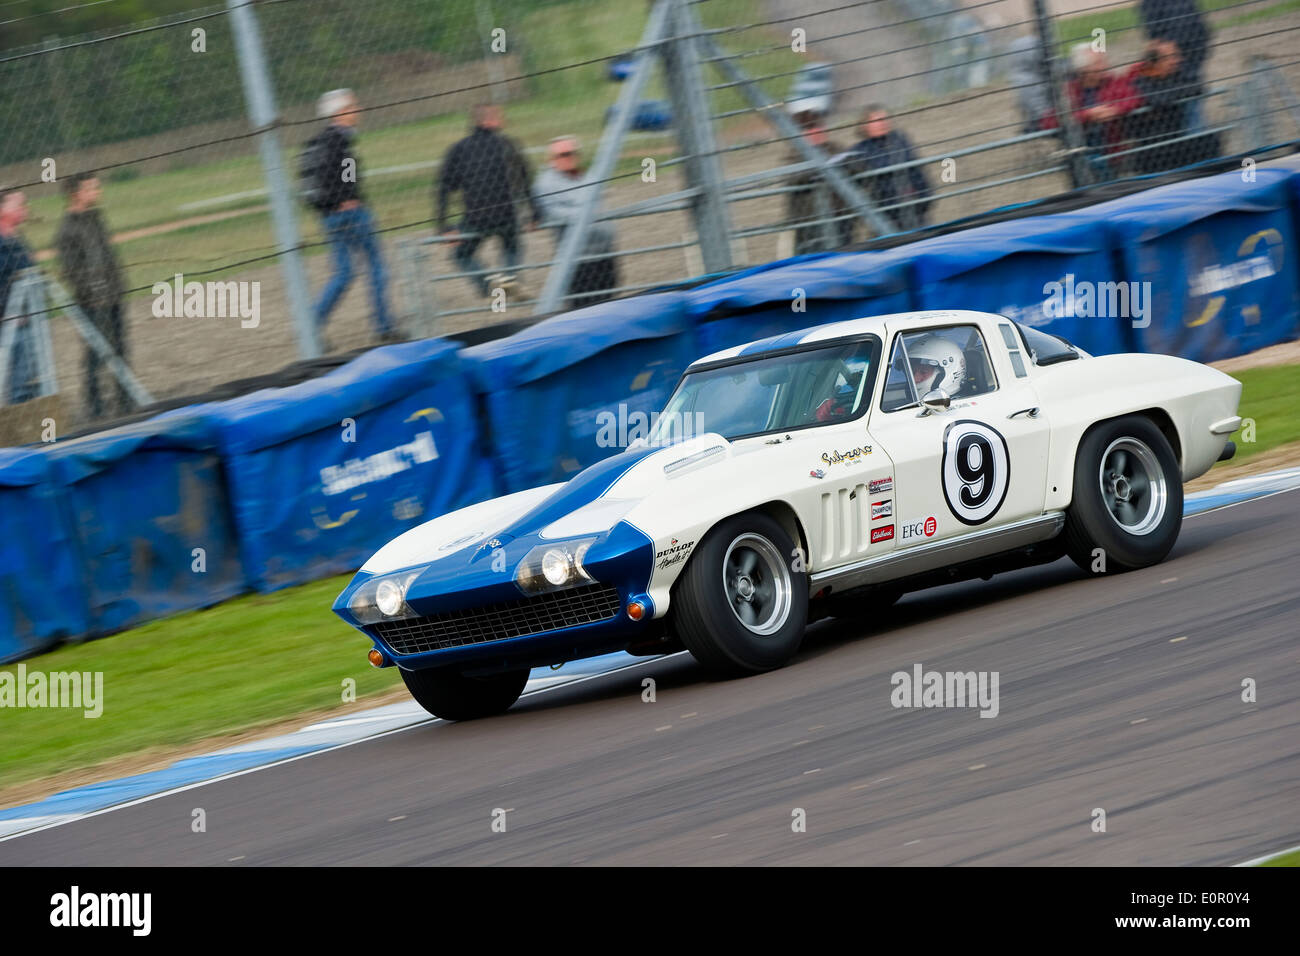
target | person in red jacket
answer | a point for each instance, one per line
(1100, 99)
(1100, 96)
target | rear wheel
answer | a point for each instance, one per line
(451, 695)
(1127, 506)
(740, 607)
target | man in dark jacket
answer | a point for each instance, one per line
(14, 258)
(821, 219)
(347, 220)
(89, 266)
(1180, 23)
(490, 173)
(883, 146)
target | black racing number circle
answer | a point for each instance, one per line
(976, 471)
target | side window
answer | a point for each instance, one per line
(954, 359)
(1013, 349)
(900, 391)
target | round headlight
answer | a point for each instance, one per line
(555, 567)
(389, 598)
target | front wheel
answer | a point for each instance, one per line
(451, 695)
(1127, 506)
(740, 606)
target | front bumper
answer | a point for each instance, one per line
(480, 621)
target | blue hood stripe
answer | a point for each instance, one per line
(581, 490)
(784, 341)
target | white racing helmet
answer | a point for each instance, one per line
(936, 363)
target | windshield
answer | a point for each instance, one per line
(1046, 348)
(809, 387)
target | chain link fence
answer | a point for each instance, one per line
(619, 147)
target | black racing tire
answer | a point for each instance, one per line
(1127, 500)
(748, 561)
(451, 695)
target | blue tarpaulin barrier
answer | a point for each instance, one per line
(1056, 273)
(325, 472)
(42, 584)
(579, 387)
(1218, 256)
(797, 294)
(151, 514)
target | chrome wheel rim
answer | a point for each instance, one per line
(1133, 485)
(757, 584)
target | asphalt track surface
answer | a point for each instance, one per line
(1120, 693)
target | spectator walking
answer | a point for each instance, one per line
(883, 146)
(14, 258)
(490, 173)
(90, 268)
(810, 200)
(559, 191)
(333, 171)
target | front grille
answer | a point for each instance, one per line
(496, 622)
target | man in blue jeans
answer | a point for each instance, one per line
(337, 195)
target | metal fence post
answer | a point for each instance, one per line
(694, 128)
(611, 143)
(1080, 171)
(836, 178)
(260, 99)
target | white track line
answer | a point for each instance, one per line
(1271, 856)
(1244, 501)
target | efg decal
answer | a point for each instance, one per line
(924, 528)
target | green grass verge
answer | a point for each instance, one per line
(250, 662)
(1286, 859)
(1271, 398)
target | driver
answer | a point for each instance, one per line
(936, 363)
(840, 403)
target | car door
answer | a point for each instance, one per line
(981, 462)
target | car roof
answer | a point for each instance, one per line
(845, 329)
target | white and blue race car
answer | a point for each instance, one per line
(825, 471)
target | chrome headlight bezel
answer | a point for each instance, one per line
(567, 557)
(364, 604)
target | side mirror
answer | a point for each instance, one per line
(935, 400)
